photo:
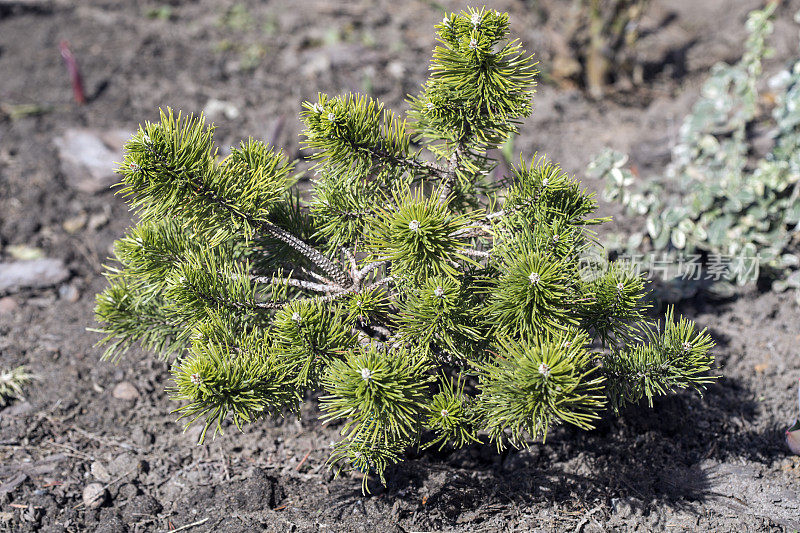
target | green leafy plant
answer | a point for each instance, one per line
(719, 196)
(427, 304)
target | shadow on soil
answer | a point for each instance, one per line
(646, 457)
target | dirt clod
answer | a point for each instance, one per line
(111, 523)
(139, 507)
(258, 491)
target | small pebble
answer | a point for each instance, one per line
(125, 391)
(100, 472)
(94, 495)
(24, 252)
(124, 464)
(74, 224)
(88, 159)
(141, 438)
(127, 491)
(7, 305)
(396, 69)
(97, 221)
(69, 293)
(217, 109)
(35, 273)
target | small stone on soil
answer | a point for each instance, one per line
(127, 491)
(7, 305)
(125, 391)
(217, 109)
(124, 464)
(74, 224)
(97, 221)
(396, 69)
(100, 472)
(94, 495)
(69, 293)
(34, 274)
(88, 159)
(23, 252)
(141, 438)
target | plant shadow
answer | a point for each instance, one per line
(663, 456)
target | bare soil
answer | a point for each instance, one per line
(716, 463)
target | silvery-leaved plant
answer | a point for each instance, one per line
(716, 199)
(423, 302)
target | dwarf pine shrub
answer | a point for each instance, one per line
(418, 301)
(720, 197)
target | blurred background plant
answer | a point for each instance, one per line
(597, 45)
(721, 195)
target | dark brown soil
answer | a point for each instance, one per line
(716, 463)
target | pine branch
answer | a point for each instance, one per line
(316, 276)
(476, 253)
(323, 263)
(307, 285)
(365, 271)
(216, 192)
(677, 358)
(129, 313)
(355, 134)
(451, 175)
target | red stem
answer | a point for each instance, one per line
(74, 72)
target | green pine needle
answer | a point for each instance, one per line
(12, 381)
